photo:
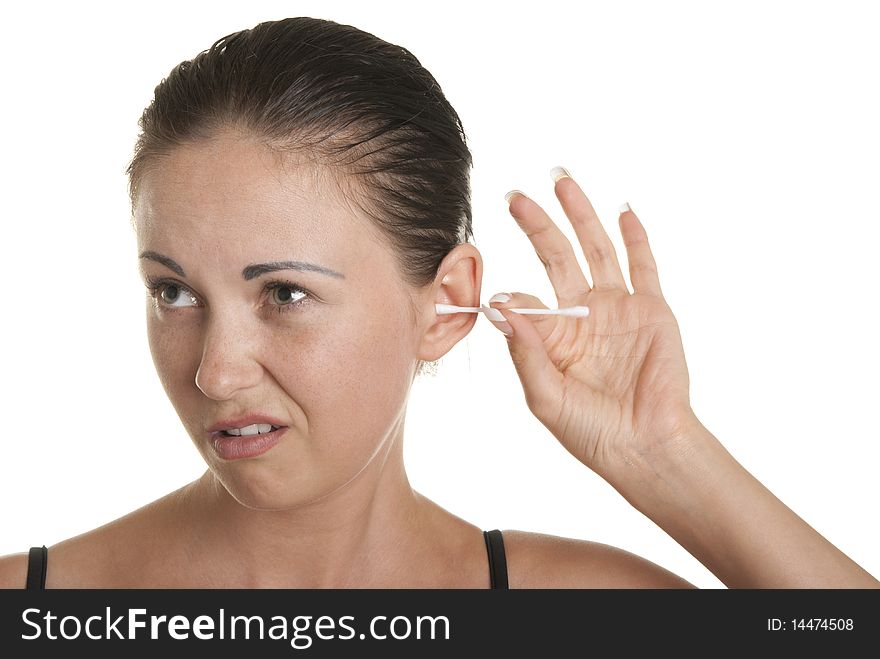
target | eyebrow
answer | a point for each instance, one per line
(252, 271)
(169, 263)
(257, 269)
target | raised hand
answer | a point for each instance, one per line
(613, 389)
(612, 383)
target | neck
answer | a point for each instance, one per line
(363, 534)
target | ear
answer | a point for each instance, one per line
(457, 282)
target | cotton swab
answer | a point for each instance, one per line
(580, 312)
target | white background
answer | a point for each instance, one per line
(745, 136)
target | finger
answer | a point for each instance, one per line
(601, 257)
(541, 380)
(519, 301)
(642, 267)
(553, 249)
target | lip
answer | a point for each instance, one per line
(245, 446)
(248, 446)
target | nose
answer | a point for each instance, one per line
(228, 363)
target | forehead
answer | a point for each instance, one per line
(233, 186)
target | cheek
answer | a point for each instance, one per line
(175, 352)
(351, 354)
(349, 375)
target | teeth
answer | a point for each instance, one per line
(253, 429)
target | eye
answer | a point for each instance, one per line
(286, 296)
(172, 295)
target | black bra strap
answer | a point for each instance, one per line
(497, 560)
(36, 574)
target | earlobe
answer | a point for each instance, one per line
(444, 331)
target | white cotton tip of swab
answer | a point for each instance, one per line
(577, 312)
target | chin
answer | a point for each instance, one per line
(259, 485)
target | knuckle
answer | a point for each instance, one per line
(598, 254)
(642, 266)
(539, 232)
(584, 217)
(556, 258)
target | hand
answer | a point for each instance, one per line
(615, 382)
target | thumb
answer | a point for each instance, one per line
(541, 380)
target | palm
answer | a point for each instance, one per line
(617, 380)
(628, 365)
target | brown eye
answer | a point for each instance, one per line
(170, 293)
(174, 296)
(285, 295)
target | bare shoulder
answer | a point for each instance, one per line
(537, 560)
(122, 553)
(78, 562)
(13, 570)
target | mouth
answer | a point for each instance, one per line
(247, 442)
(250, 431)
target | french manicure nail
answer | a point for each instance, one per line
(625, 208)
(504, 326)
(558, 172)
(511, 194)
(499, 297)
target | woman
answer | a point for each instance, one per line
(301, 201)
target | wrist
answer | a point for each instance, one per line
(666, 469)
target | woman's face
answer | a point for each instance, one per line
(327, 350)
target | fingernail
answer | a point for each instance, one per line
(511, 194)
(625, 208)
(500, 323)
(558, 172)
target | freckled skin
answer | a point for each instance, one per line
(337, 369)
